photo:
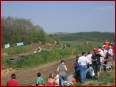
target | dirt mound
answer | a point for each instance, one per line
(4, 55)
(8, 71)
(34, 46)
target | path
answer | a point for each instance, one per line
(28, 76)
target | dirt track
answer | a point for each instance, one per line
(27, 77)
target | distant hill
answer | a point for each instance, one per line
(86, 36)
(61, 33)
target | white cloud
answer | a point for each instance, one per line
(105, 8)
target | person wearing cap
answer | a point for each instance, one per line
(96, 62)
(83, 61)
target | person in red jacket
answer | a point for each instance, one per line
(12, 81)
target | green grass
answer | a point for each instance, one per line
(46, 56)
(14, 51)
(90, 84)
(40, 58)
(106, 79)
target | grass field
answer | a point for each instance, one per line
(46, 56)
(56, 54)
(106, 79)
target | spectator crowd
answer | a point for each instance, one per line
(89, 64)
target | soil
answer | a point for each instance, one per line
(28, 76)
(34, 46)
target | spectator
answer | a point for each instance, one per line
(107, 43)
(101, 58)
(39, 80)
(62, 72)
(96, 63)
(89, 58)
(74, 80)
(57, 78)
(83, 61)
(104, 44)
(105, 50)
(51, 81)
(110, 52)
(12, 81)
(114, 53)
(77, 69)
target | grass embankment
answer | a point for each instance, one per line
(46, 56)
(106, 79)
(14, 51)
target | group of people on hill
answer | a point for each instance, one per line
(94, 60)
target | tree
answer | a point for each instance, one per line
(21, 30)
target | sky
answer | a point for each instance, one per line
(64, 16)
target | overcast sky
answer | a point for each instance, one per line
(64, 16)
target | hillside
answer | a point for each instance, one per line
(86, 36)
(47, 61)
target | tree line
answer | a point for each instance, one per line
(21, 30)
(16, 30)
(88, 36)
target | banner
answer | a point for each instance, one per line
(20, 44)
(7, 45)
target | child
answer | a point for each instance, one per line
(39, 80)
(57, 78)
(74, 80)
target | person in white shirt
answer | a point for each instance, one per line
(101, 58)
(57, 78)
(83, 61)
(89, 58)
(110, 53)
(105, 50)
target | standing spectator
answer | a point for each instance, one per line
(114, 54)
(105, 50)
(83, 61)
(51, 80)
(107, 43)
(77, 69)
(113, 51)
(89, 58)
(12, 81)
(104, 45)
(110, 52)
(39, 80)
(96, 63)
(62, 72)
(101, 58)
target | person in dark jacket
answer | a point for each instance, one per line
(77, 69)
